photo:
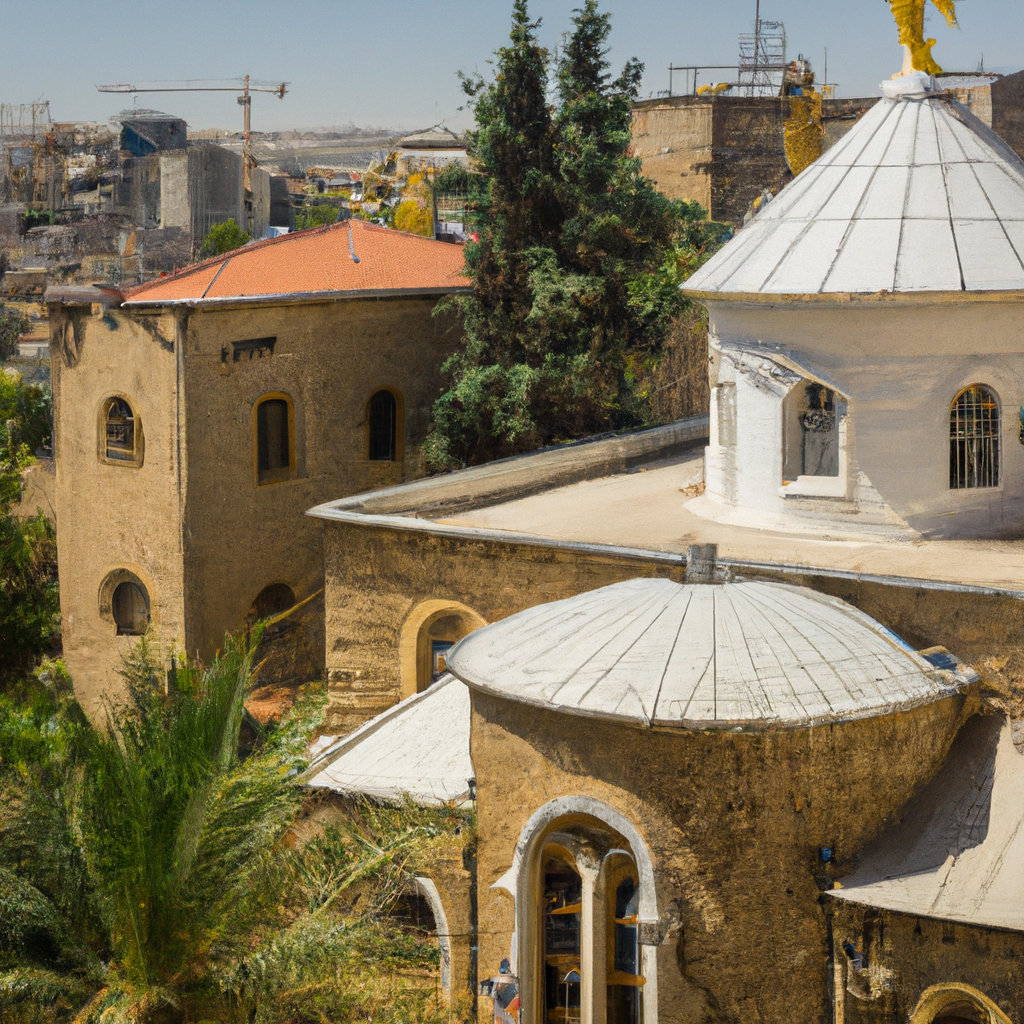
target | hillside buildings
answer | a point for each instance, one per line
(735, 699)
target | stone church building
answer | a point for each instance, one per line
(744, 755)
(197, 417)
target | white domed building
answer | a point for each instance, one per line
(867, 333)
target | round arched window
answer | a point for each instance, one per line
(120, 432)
(130, 608)
(974, 438)
(271, 601)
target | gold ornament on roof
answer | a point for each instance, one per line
(909, 15)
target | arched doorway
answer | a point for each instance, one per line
(428, 632)
(956, 1003)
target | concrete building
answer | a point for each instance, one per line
(430, 151)
(866, 345)
(197, 417)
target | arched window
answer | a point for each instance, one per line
(956, 1003)
(429, 631)
(275, 435)
(383, 427)
(121, 433)
(130, 608)
(974, 438)
(589, 891)
(271, 601)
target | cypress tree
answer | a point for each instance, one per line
(575, 274)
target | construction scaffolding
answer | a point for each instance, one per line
(28, 166)
(762, 57)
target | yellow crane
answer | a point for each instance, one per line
(909, 15)
(243, 86)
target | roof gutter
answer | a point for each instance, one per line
(923, 298)
(296, 298)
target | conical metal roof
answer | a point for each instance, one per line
(920, 196)
(654, 652)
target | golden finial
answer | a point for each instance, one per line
(909, 15)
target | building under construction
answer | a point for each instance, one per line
(726, 147)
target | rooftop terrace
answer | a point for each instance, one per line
(641, 492)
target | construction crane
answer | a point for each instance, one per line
(248, 87)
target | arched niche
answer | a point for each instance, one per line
(126, 601)
(428, 631)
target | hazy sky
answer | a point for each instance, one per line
(394, 63)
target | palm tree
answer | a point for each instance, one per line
(149, 849)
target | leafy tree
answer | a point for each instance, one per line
(13, 324)
(570, 231)
(25, 411)
(315, 216)
(29, 603)
(412, 215)
(222, 238)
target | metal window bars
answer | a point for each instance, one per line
(120, 440)
(974, 439)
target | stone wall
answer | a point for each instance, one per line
(192, 522)
(906, 956)
(733, 822)
(376, 578)
(114, 517)
(724, 151)
(1007, 105)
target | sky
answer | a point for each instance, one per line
(394, 64)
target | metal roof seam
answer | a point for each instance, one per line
(213, 281)
(821, 205)
(906, 197)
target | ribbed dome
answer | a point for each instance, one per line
(700, 655)
(920, 196)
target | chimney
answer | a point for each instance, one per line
(701, 560)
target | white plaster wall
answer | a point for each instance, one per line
(900, 367)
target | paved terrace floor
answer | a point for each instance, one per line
(651, 510)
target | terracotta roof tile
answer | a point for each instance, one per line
(317, 260)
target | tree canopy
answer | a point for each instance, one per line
(222, 238)
(13, 324)
(579, 256)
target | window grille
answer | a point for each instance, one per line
(120, 431)
(974, 439)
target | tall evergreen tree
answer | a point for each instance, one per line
(571, 237)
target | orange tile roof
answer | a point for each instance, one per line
(317, 260)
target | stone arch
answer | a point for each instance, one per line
(109, 585)
(414, 651)
(428, 890)
(947, 998)
(564, 813)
